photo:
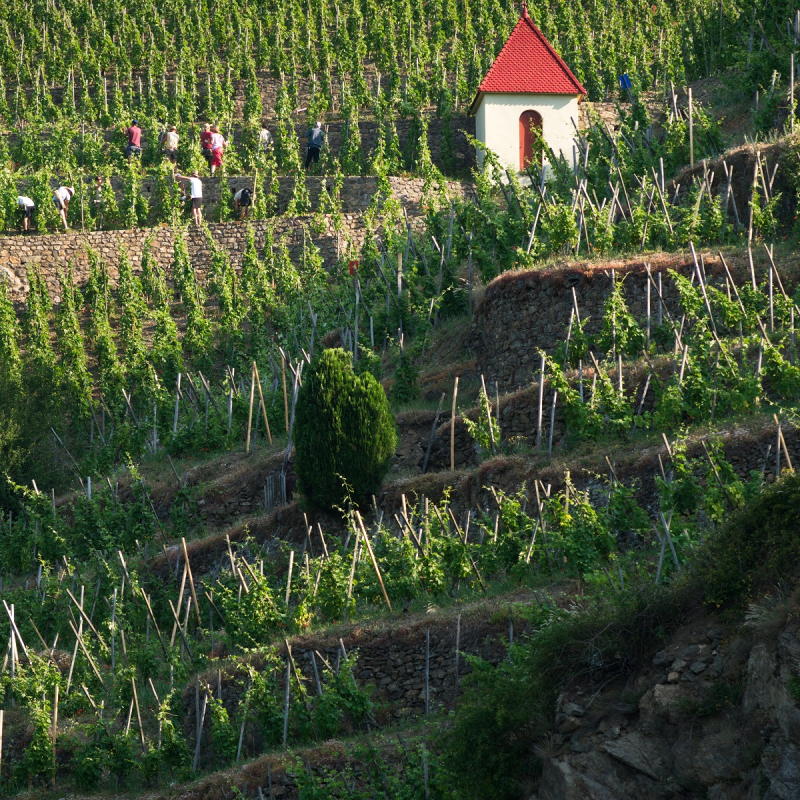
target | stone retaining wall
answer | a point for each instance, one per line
(53, 253)
(356, 193)
(390, 664)
(524, 311)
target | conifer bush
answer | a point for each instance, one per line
(344, 432)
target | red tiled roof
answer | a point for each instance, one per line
(528, 63)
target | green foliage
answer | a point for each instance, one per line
(485, 430)
(507, 706)
(344, 432)
(406, 378)
(40, 191)
(620, 331)
(223, 735)
(256, 617)
(134, 211)
(10, 360)
(74, 367)
(756, 548)
(578, 534)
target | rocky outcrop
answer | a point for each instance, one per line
(714, 716)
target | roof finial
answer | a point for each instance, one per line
(524, 8)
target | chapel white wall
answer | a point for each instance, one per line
(497, 123)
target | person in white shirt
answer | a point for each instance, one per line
(28, 206)
(264, 138)
(61, 198)
(242, 201)
(196, 193)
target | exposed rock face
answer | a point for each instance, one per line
(716, 717)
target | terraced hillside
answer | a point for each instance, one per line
(576, 577)
(201, 627)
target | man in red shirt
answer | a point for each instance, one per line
(134, 147)
(205, 142)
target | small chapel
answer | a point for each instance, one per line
(529, 94)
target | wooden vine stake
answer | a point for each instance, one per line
(427, 670)
(138, 714)
(541, 403)
(453, 427)
(285, 396)
(54, 732)
(286, 703)
(289, 577)
(200, 723)
(250, 412)
(352, 571)
(191, 579)
(781, 445)
(261, 400)
(691, 129)
(373, 559)
(458, 643)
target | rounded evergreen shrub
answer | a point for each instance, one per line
(345, 434)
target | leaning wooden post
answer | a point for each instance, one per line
(75, 650)
(691, 130)
(138, 713)
(191, 579)
(289, 577)
(453, 427)
(373, 559)
(250, 413)
(263, 407)
(200, 723)
(489, 415)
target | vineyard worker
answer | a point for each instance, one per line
(218, 145)
(169, 144)
(196, 192)
(28, 206)
(242, 200)
(264, 138)
(134, 147)
(98, 200)
(98, 193)
(61, 198)
(315, 138)
(205, 143)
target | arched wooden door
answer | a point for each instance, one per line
(530, 131)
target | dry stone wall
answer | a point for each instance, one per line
(522, 312)
(355, 196)
(391, 664)
(54, 253)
